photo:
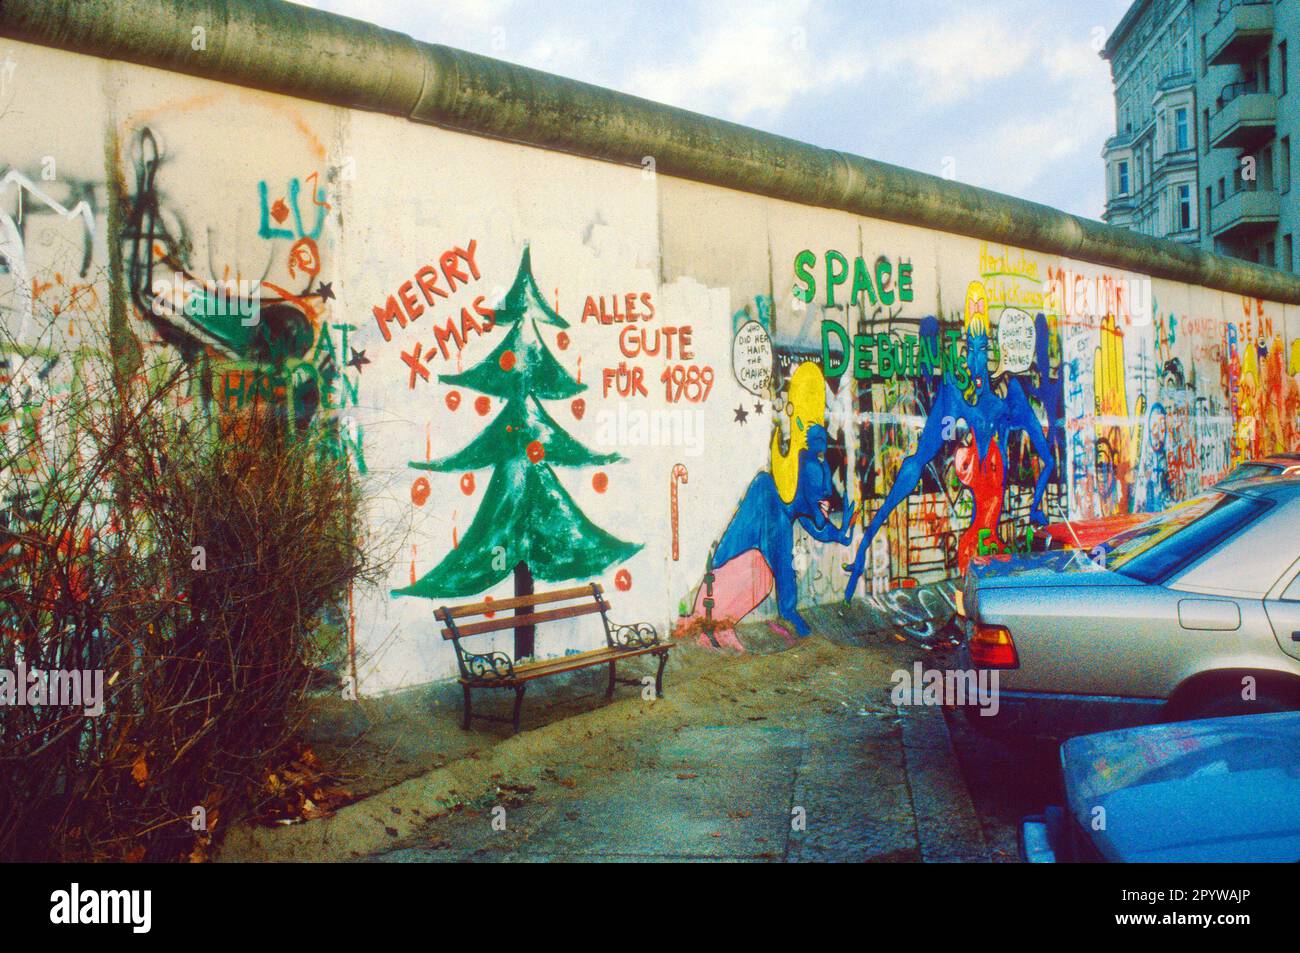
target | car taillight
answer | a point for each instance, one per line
(991, 646)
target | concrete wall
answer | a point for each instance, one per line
(1128, 393)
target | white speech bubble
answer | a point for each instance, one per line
(1016, 340)
(751, 358)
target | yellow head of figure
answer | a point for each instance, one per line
(976, 320)
(807, 406)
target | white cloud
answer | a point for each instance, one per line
(750, 59)
(1056, 129)
(953, 59)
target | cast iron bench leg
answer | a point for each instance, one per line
(659, 676)
(609, 692)
(464, 724)
(519, 700)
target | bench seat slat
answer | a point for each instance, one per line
(492, 666)
(570, 663)
(516, 602)
(531, 618)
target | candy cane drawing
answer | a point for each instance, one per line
(679, 473)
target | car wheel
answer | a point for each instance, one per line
(1226, 705)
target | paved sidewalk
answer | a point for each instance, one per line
(780, 754)
(840, 788)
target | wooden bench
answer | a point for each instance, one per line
(497, 669)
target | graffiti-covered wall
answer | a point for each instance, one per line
(552, 369)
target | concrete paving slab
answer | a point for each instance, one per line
(948, 828)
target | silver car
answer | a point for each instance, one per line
(1192, 614)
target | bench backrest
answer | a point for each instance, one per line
(583, 600)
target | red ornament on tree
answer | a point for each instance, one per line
(482, 405)
(467, 484)
(507, 360)
(600, 482)
(535, 451)
(452, 399)
(622, 580)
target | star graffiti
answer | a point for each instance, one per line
(741, 415)
(358, 358)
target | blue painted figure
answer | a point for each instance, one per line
(981, 466)
(756, 551)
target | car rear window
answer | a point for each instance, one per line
(1159, 548)
(1248, 471)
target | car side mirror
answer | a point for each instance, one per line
(1215, 615)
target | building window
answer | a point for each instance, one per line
(1184, 207)
(1270, 254)
(1205, 131)
(1209, 201)
(1180, 129)
(1122, 184)
(1184, 54)
(1283, 81)
(1205, 60)
(1284, 164)
(1288, 253)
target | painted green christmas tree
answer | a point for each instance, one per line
(527, 516)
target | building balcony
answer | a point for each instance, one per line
(1120, 206)
(1244, 212)
(1121, 140)
(1246, 117)
(1242, 31)
(1172, 161)
(1175, 81)
(1189, 236)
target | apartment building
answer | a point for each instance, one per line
(1207, 111)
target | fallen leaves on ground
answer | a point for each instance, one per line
(301, 790)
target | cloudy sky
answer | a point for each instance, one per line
(1005, 94)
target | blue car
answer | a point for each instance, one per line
(1213, 790)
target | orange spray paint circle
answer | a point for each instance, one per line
(623, 580)
(507, 360)
(467, 484)
(536, 452)
(562, 340)
(452, 399)
(600, 482)
(420, 491)
(482, 405)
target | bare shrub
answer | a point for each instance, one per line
(189, 556)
